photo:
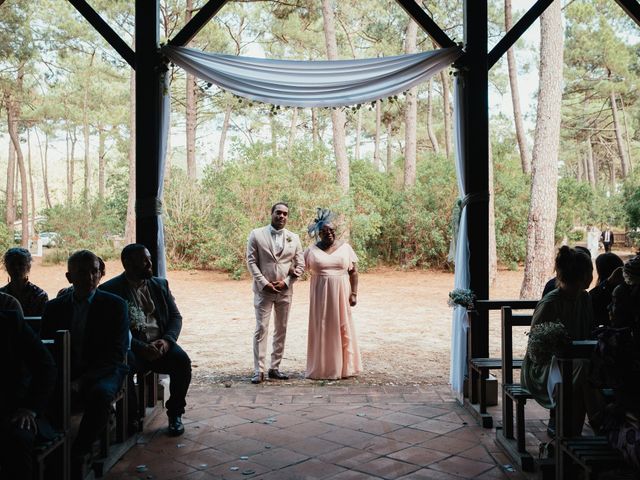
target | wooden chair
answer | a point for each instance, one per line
(593, 455)
(52, 457)
(513, 393)
(479, 367)
(34, 323)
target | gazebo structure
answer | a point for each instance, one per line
(473, 67)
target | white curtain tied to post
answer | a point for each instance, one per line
(296, 83)
(460, 321)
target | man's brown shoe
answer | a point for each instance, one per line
(276, 374)
(258, 378)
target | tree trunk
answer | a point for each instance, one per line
(274, 136)
(376, 141)
(525, 161)
(432, 135)
(10, 216)
(544, 184)
(13, 116)
(315, 135)
(223, 135)
(101, 163)
(72, 163)
(626, 134)
(580, 169)
(292, 131)
(624, 161)
(337, 115)
(44, 165)
(493, 251)
(446, 112)
(591, 171)
(86, 194)
(86, 136)
(130, 224)
(191, 109)
(358, 133)
(32, 230)
(410, 115)
(389, 146)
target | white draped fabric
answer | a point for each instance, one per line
(341, 83)
(295, 83)
(460, 321)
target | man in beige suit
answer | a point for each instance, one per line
(275, 260)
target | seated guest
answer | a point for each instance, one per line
(99, 325)
(569, 305)
(553, 283)
(622, 365)
(7, 302)
(69, 289)
(608, 266)
(17, 263)
(155, 327)
(625, 301)
(29, 376)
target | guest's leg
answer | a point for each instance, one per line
(281, 317)
(177, 364)
(263, 304)
(578, 408)
(98, 398)
(16, 452)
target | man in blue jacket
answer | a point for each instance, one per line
(155, 327)
(99, 327)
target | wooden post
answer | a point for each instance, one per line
(149, 111)
(476, 161)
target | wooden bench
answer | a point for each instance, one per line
(593, 455)
(52, 457)
(479, 367)
(513, 393)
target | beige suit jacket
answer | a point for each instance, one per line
(266, 266)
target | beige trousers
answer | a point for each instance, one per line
(264, 303)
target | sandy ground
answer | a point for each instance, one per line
(402, 319)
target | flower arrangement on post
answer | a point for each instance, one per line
(463, 297)
(546, 340)
(137, 319)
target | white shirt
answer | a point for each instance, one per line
(277, 237)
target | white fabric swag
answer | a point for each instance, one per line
(294, 83)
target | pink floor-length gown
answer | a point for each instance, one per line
(332, 347)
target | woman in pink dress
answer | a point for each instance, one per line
(332, 348)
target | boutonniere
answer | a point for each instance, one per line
(137, 318)
(289, 239)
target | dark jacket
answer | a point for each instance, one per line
(28, 370)
(167, 313)
(106, 332)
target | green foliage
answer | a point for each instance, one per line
(631, 205)
(6, 238)
(511, 203)
(89, 226)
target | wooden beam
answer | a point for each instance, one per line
(206, 13)
(105, 30)
(475, 140)
(150, 76)
(517, 30)
(426, 22)
(632, 8)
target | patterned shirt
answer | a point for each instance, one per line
(32, 298)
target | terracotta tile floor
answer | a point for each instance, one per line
(274, 431)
